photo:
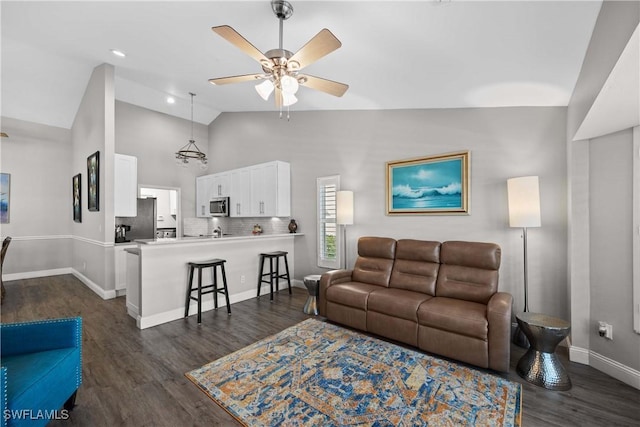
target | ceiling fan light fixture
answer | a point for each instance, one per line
(289, 85)
(264, 89)
(288, 99)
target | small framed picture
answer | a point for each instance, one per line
(433, 185)
(77, 197)
(93, 181)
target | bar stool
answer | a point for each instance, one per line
(208, 289)
(274, 271)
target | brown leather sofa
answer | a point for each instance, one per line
(440, 297)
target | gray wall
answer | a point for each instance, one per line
(154, 138)
(616, 22)
(611, 246)
(504, 143)
(93, 130)
(38, 159)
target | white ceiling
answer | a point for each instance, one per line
(395, 54)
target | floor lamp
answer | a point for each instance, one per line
(344, 216)
(524, 212)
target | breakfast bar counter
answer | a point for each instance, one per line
(160, 267)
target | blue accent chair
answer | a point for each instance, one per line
(41, 370)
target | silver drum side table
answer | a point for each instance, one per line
(312, 282)
(540, 365)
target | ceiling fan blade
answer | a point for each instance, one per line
(324, 85)
(233, 37)
(320, 45)
(236, 79)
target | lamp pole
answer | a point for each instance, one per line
(344, 216)
(524, 211)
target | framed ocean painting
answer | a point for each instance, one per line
(433, 185)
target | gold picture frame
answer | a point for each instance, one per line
(430, 185)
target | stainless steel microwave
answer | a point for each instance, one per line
(219, 206)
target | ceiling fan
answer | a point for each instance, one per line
(280, 67)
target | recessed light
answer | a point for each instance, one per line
(119, 53)
(171, 100)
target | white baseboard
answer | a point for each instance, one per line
(35, 274)
(603, 364)
(57, 272)
(579, 355)
(94, 286)
(178, 313)
(615, 369)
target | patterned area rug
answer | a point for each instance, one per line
(319, 374)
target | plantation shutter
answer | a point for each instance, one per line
(328, 236)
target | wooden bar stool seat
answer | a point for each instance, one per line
(207, 289)
(273, 276)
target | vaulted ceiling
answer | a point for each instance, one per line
(394, 54)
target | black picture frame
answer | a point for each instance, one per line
(93, 181)
(76, 197)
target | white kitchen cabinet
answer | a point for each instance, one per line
(262, 190)
(221, 183)
(125, 185)
(204, 185)
(240, 193)
(271, 189)
(121, 268)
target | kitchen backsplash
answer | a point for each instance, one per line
(235, 226)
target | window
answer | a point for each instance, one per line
(328, 236)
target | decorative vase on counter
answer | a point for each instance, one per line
(293, 227)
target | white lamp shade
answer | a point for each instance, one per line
(289, 85)
(344, 209)
(264, 89)
(524, 201)
(288, 99)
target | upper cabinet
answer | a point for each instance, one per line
(125, 186)
(220, 184)
(204, 185)
(271, 189)
(240, 198)
(253, 191)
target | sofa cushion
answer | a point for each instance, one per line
(375, 260)
(396, 302)
(416, 266)
(352, 294)
(469, 271)
(33, 377)
(453, 315)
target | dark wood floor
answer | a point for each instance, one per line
(136, 378)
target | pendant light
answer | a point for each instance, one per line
(191, 150)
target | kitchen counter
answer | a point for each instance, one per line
(157, 272)
(207, 239)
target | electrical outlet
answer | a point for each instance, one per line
(242, 279)
(605, 330)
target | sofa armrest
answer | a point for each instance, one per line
(328, 279)
(40, 335)
(499, 318)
